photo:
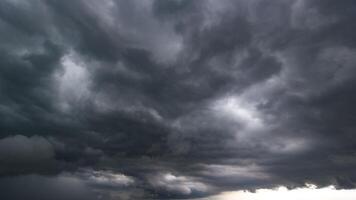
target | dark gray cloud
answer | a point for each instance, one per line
(19, 154)
(174, 99)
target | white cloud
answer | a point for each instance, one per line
(242, 111)
(177, 184)
(73, 81)
(108, 178)
(249, 121)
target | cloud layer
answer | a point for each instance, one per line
(164, 99)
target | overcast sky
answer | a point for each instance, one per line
(175, 99)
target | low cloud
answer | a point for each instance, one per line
(20, 154)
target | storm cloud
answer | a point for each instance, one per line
(175, 99)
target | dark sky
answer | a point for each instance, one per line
(175, 99)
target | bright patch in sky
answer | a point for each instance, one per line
(239, 110)
(282, 193)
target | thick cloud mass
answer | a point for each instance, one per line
(174, 99)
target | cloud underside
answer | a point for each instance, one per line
(175, 99)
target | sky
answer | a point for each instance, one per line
(281, 193)
(177, 99)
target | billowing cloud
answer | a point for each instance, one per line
(164, 99)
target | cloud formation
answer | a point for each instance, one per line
(164, 99)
